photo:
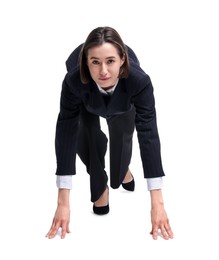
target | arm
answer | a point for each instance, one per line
(147, 132)
(67, 128)
(66, 136)
(62, 214)
(149, 143)
(159, 219)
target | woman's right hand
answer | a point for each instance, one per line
(62, 215)
(60, 220)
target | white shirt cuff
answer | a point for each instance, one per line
(155, 183)
(64, 182)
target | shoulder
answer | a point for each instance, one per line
(73, 59)
(137, 81)
(73, 77)
(137, 75)
(72, 83)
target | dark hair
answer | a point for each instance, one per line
(97, 37)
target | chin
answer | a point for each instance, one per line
(102, 85)
(105, 86)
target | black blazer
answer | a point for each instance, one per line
(136, 90)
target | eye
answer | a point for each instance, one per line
(110, 61)
(95, 62)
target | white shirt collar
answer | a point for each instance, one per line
(108, 91)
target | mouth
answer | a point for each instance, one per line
(104, 79)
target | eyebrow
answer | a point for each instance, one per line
(95, 58)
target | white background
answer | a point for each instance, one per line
(177, 44)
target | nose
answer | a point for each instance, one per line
(103, 69)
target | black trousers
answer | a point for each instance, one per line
(92, 147)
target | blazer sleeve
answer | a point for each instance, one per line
(147, 132)
(66, 131)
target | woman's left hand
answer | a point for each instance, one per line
(160, 222)
(159, 219)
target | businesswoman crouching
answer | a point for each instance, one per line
(104, 79)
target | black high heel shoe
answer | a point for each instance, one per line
(101, 210)
(130, 186)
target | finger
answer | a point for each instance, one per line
(169, 231)
(164, 233)
(53, 231)
(68, 229)
(63, 233)
(154, 232)
(51, 228)
(49, 234)
(65, 229)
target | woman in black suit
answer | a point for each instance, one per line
(104, 79)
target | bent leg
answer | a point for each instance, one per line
(91, 148)
(121, 130)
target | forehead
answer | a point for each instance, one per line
(103, 51)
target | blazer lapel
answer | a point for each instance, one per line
(94, 101)
(120, 100)
(118, 103)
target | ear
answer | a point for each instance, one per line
(123, 59)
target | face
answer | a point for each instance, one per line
(104, 64)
